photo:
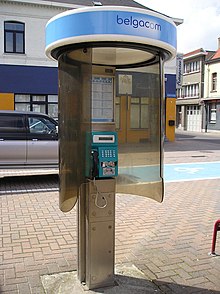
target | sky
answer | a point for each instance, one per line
(201, 22)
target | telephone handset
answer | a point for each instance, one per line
(95, 163)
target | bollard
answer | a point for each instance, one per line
(215, 230)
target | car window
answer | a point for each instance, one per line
(41, 125)
(12, 124)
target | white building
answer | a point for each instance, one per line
(28, 79)
(212, 92)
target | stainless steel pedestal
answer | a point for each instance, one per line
(97, 234)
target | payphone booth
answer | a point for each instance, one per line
(111, 119)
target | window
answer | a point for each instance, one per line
(52, 105)
(14, 37)
(214, 81)
(38, 103)
(41, 126)
(11, 124)
(179, 93)
(191, 91)
(22, 102)
(212, 113)
(117, 112)
(139, 117)
(190, 67)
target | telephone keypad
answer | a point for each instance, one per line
(108, 153)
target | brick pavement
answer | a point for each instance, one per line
(168, 242)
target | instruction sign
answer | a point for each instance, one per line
(102, 99)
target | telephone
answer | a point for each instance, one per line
(104, 155)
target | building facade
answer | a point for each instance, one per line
(28, 79)
(211, 101)
(189, 103)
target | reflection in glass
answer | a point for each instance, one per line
(140, 152)
(135, 116)
(144, 123)
(74, 123)
(117, 113)
(86, 95)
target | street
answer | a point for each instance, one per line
(168, 242)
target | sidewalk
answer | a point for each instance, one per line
(168, 242)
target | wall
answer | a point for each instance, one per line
(209, 70)
(28, 79)
(7, 101)
(35, 18)
(32, 72)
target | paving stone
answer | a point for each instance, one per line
(169, 242)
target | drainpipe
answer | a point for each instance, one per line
(206, 103)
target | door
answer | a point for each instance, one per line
(194, 118)
(132, 119)
(12, 139)
(42, 140)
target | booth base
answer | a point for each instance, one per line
(128, 279)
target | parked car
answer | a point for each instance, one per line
(28, 139)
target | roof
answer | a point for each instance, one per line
(214, 58)
(209, 54)
(129, 3)
(199, 52)
(71, 4)
(216, 55)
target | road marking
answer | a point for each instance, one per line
(191, 171)
(173, 172)
(177, 172)
(188, 170)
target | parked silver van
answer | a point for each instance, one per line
(28, 139)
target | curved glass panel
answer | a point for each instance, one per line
(74, 123)
(140, 131)
(97, 97)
